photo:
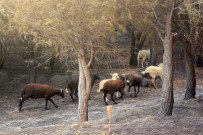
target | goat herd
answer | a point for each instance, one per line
(108, 86)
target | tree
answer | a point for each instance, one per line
(167, 99)
(188, 24)
(78, 26)
(163, 26)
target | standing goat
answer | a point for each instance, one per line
(133, 80)
(73, 84)
(112, 86)
(39, 91)
(144, 55)
(154, 72)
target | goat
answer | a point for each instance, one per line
(112, 86)
(154, 72)
(133, 80)
(114, 76)
(39, 91)
(144, 55)
(73, 85)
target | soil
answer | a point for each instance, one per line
(129, 117)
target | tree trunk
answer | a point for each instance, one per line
(133, 57)
(54, 66)
(190, 71)
(3, 55)
(167, 100)
(32, 73)
(138, 40)
(199, 61)
(153, 55)
(84, 88)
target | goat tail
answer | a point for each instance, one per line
(99, 90)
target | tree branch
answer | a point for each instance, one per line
(91, 55)
(159, 32)
(155, 15)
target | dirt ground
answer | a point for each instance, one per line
(131, 116)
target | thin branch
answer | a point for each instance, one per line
(159, 32)
(92, 55)
(178, 4)
(155, 15)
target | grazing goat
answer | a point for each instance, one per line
(39, 91)
(144, 55)
(154, 72)
(112, 86)
(133, 80)
(73, 85)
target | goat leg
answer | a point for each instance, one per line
(105, 98)
(46, 102)
(20, 105)
(130, 91)
(154, 81)
(135, 91)
(76, 93)
(53, 102)
(71, 95)
(121, 97)
(113, 99)
(138, 90)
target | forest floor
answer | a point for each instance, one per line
(131, 116)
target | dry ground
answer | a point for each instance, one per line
(130, 116)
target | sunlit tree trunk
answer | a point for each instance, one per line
(190, 71)
(84, 88)
(167, 99)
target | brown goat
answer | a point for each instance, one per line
(39, 91)
(73, 84)
(133, 80)
(112, 86)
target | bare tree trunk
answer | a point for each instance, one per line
(32, 73)
(190, 72)
(138, 40)
(84, 88)
(188, 36)
(133, 58)
(167, 100)
(153, 54)
(3, 55)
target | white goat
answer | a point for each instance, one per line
(154, 72)
(144, 55)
